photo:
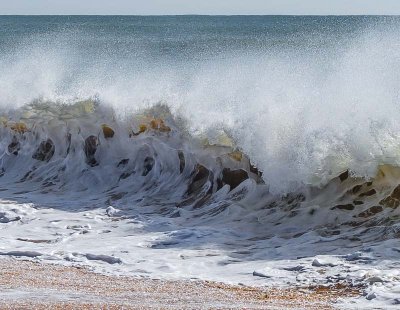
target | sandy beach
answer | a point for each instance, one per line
(31, 285)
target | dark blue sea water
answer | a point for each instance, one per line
(185, 37)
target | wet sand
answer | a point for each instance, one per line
(31, 285)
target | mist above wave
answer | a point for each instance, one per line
(303, 112)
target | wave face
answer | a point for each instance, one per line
(81, 154)
(238, 131)
(304, 102)
(305, 98)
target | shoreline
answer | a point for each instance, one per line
(36, 285)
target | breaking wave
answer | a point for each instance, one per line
(301, 118)
(308, 127)
(151, 160)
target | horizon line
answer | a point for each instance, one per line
(210, 15)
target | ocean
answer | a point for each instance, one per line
(243, 149)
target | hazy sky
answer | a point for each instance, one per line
(157, 7)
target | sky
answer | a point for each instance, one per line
(209, 7)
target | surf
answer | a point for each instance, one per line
(265, 157)
(63, 149)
